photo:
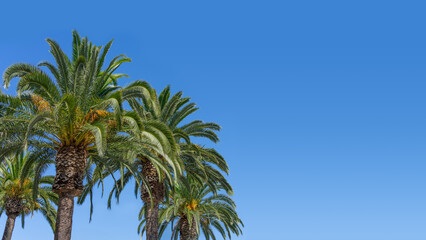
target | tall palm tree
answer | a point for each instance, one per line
(169, 112)
(173, 111)
(155, 161)
(24, 190)
(201, 163)
(70, 113)
(195, 208)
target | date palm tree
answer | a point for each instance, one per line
(170, 112)
(24, 190)
(194, 208)
(71, 113)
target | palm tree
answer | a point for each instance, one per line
(24, 189)
(71, 114)
(200, 165)
(154, 155)
(195, 207)
(168, 112)
(172, 111)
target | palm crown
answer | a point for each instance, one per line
(172, 111)
(195, 207)
(24, 190)
(73, 108)
(71, 113)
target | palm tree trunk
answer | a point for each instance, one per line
(186, 232)
(13, 208)
(152, 222)
(157, 193)
(64, 216)
(8, 229)
(70, 163)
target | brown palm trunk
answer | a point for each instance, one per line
(152, 222)
(157, 193)
(13, 208)
(64, 216)
(70, 163)
(187, 232)
(8, 229)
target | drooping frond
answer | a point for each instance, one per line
(21, 179)
(202, 208)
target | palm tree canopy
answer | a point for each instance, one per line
(201, 207)
(173, 110)
(75, 107)
(21, 178)
(161, 120)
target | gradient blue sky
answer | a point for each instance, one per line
(322, 105)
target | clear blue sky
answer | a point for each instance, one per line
(322, 105)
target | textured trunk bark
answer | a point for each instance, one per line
(186, 232)
(8, 229)
(155, 186)
(70, 163)
(152, 222)
(157, 193)
(13, 208)
(64, 216)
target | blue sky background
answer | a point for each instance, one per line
(322, 105)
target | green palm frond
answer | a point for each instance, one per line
(201, 207)
(61, 110)
(21, 178)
